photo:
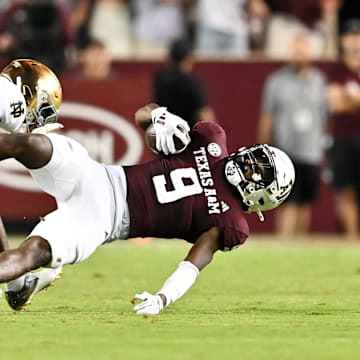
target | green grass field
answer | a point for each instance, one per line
(266, 300)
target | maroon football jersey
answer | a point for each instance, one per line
(346, 125)
(181, 196)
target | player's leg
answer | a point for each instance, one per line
(19, 291)
(30, 255)
(32, 150)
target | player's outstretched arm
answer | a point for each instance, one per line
(183, 277)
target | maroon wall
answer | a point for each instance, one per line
(234, 90)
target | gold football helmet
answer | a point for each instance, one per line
(41, 89)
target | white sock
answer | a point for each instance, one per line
(16, 284)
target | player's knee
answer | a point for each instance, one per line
(37, 251)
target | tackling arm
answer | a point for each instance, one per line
(183, 277)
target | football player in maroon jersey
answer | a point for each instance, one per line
(344, 103)
(198, 194)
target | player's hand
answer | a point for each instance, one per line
(166, 126)
(150, 304)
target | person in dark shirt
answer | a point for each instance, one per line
(179, 90)
(344, 102)
(199, 194)
(38, 29)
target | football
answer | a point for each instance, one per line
(150, 139)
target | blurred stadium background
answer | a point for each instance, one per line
(234, 89)
(273, 298)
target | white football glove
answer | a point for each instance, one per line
(166, 126)
(150, 304)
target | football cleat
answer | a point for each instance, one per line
(33, 283)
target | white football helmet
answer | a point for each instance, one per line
(264, 176)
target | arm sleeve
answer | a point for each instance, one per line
(179, 282)
(231, 239)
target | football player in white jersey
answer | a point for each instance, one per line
(18, 116)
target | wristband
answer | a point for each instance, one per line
(179, 282)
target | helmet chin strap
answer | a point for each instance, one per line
(237, 179)
(260, 215)
(251, 203)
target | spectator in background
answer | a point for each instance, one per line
(4, 4)
(36, 29)
(107, 21)
(349, 10)
(179, 90)
(293, 118)
(344, 100)
(259, 14)
(222, 28)
(156, 23)
(95, 62)
(328, 27)
(319, 18)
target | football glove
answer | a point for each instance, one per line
(150, 304)
(166, 126)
